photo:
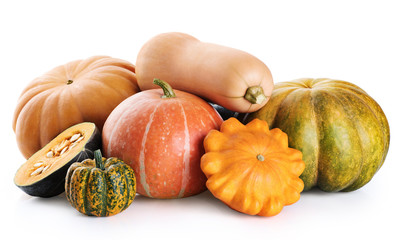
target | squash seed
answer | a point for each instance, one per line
(46, 168)
(38, 164)
(62, 145)
(58, 150)
(75, 137)
(64, 150)
(37, 171)
(50, 154)
(79, 140)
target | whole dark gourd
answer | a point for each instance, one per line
(342, 132)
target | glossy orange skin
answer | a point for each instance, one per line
(162, 140)
(79, 91)
(216, 73)
(251, 168)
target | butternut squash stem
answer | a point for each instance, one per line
(99, 163)
(168, 91)
(255, 95)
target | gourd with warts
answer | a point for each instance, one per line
(100, 187)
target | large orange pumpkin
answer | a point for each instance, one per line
(160, 135)
(79, 91)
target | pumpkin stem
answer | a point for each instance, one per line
(260, 157)
(99, 163)
(255, 95)
(168, 91)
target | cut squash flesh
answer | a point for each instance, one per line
(44, 172)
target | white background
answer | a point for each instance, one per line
(356, 41)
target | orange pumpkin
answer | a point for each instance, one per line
(79, 91)
(160, 134)
(251, 168)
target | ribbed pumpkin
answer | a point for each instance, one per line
(251, 168)
(79, 91)
(342, 132)
(100, 187)
(160, 133)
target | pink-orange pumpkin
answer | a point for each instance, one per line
(160, 133)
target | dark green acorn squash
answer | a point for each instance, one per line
(44, 173)
(342, 132)
(224, 113)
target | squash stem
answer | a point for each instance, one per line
(168, 91)
(260, 157)
(99, 163)
(255, 95)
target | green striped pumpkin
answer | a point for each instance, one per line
(341, 131)
(100, 187)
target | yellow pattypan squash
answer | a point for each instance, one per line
(251, 168)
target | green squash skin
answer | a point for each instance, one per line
(341, 131)
(100, 192)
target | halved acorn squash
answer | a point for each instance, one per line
(44, 173)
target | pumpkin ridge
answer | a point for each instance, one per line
(289, 102)
(273, 168)
(29, 95)
(186, 154)
(99, 83)
(77, 106)
(357, 183)
(84, 196)
(360, 95)
(42, 113)
(226, 174)
(78, 201)
(354, 129)
(216, 125)
(109, 61)
(86, 65)
(66, 71)
(60, 107)
(280, 106)
(142, 167)
(104, 194)
(108, 70)
(253, 181)
(318, 131)
(128, 189)
(317, 134)
(338, 84)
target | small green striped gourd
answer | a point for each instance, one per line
(341, 131)
(100, 187)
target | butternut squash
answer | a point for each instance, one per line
(229, 77)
